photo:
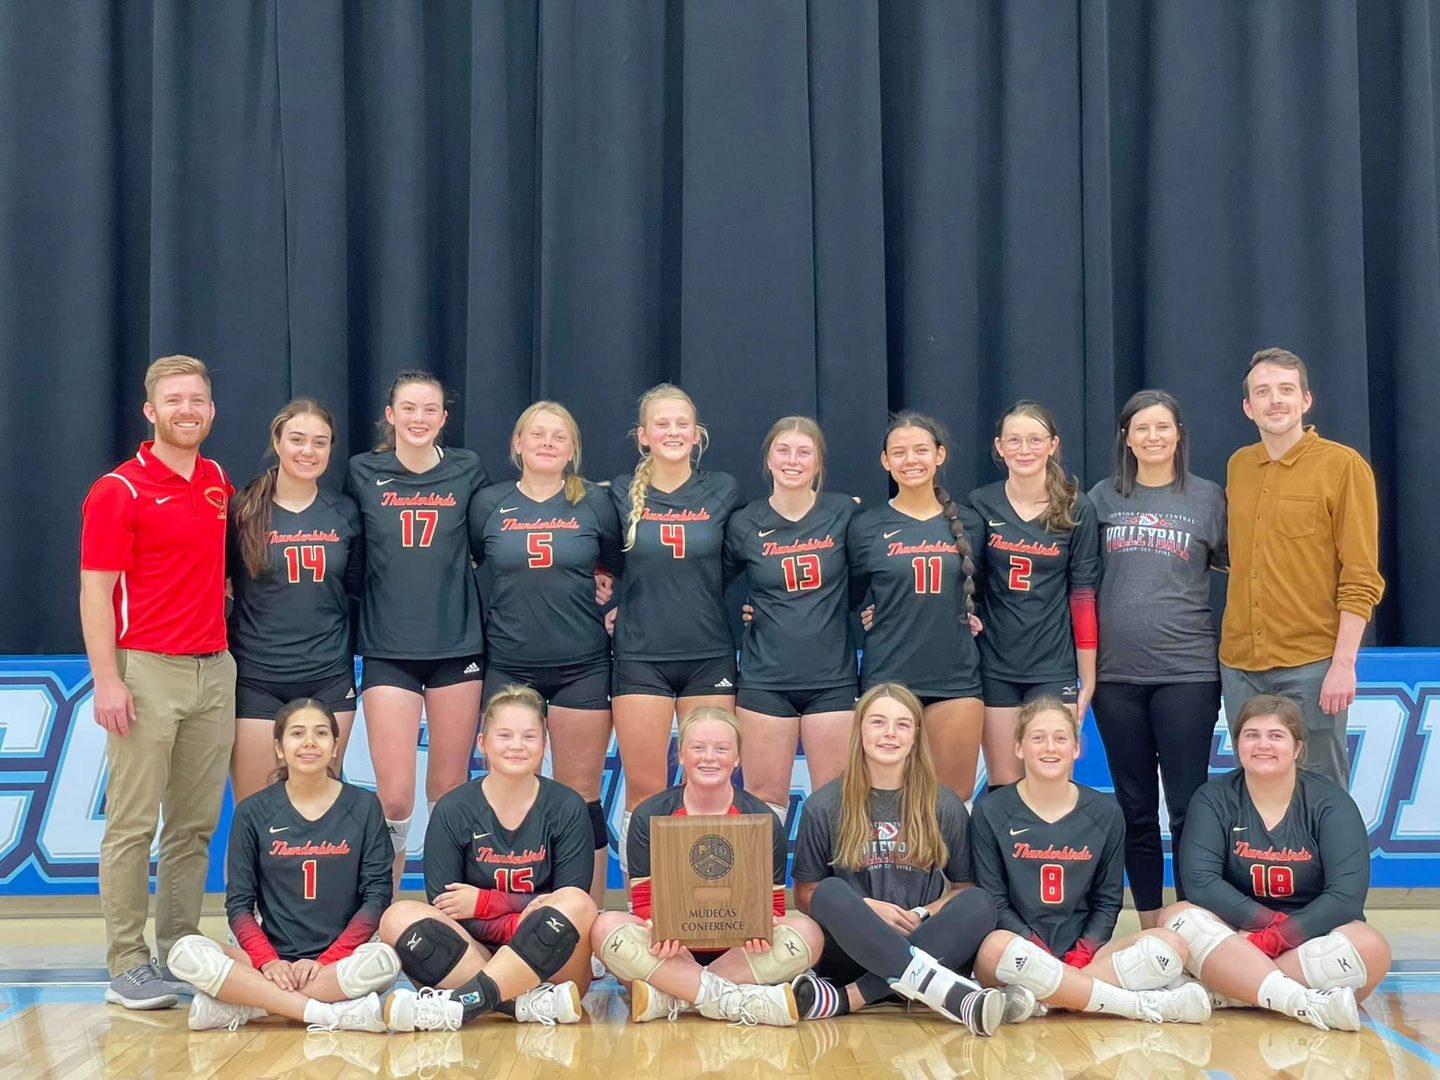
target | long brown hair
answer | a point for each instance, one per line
(646, 468)
(384, 430)
(925, 845)
(1059, 515)
(574, 482)
(805, 426)
(252, 505)
(282, 717)
(932, 427)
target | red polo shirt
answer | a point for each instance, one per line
(166, 537)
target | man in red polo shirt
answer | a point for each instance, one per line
(152, 606)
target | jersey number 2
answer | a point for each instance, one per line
(519, 880)
(307, 557)
(1052, 883)
(802, 572)
(308, 869)
(673, 537)
(426, 519)
(1020, 567)
(1278, 880)
(537, 546)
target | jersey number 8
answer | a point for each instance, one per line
(1272, 880)
(1052, 883)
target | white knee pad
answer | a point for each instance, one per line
(398, 831)
(1201, 932)
(371, 967)
(1023, 963)
(1148, 964)
(789, 955)
(1331, 961)
(626, 952)
(624, 842)
(200, 962)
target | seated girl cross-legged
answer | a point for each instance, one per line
(1279, 854)
(746, 985)
(508, 860)
(1051, 854)
(313, 855)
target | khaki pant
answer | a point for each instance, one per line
(175, 757)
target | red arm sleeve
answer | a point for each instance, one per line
(1082, 618)
(252, 939)
(359, 930)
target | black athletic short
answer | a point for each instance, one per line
(930, 695)
(585, 685)
(1003, 694)
(674, 678)
(788, 703)
(417, 676)
(260, 699)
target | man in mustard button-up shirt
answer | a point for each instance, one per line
(1304, 574)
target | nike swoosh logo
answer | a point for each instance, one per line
(993, 524)
(282, 828)
(767, 532)
(1017, 832)
(166, 499)
(382, 483)
(479, 835)
(1238, 828)
(508, 509)
(897, 532)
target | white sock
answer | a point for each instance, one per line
(1113, 1000)
(318, 1012)
(1282, 994)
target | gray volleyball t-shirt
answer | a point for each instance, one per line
(884, 874)
(1154, 604)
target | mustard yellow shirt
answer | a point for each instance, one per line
(1304, 546)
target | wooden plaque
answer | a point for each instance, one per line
(711, 879)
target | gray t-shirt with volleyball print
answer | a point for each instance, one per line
(1156, 548)
(884, 875)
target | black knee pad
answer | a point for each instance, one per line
(545, 941)
(598, 825)
(428, 951)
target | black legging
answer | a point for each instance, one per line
(952, 935)
(1141, 725)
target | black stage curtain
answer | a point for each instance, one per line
(837, 207)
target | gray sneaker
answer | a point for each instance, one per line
(142, 987)
(178, 987)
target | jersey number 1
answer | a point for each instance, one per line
(1052, 883)
(802, 572)
(1278, 880)
(308, 869)
(305, 556)
(673, 537)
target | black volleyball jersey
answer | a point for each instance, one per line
(1062, 881)
(1314, 865)
(671, 803)
(1025, 596)
(672, 588)
(320, 885)
(912, 569)
(292, 622)
(420, 600)
(799, 637)
(537, 572)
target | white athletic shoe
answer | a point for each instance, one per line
(650, 1003)
(1187, 1004)
(356, 1014)
(424, 1055)
(207, 1013)
(367, 1054)
(425, 1010)
(549, 1004)
(1332, 1010)
(1021, 1004)
(747, 1003)
(597, 969)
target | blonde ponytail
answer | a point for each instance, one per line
(638, 484)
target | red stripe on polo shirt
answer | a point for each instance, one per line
(165, 535)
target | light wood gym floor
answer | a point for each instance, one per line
(54, 1024)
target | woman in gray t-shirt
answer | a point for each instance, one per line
(1157, 695)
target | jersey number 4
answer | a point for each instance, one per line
(673, 537)
(802, 572)
(537, 546)
(1272, 880)
(519, 880)
(425, 519)
(1052, 883)
(307, 557)
(1020, 567)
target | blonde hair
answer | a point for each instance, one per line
(643, 471)
(1282, 708)
(925, 845)
(173, 365)
(574, 482)
(512, 694)
(1043, 703)
(701, 714)
(805, 426)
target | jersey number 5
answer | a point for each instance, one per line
(1052, 883)
(1020, 568)
(305, 556)
(519, 880)
(802, 572)
(1279, 880)
(426, 519)
(673, 537)
(537, 545)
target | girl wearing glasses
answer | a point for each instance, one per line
(1041, 567)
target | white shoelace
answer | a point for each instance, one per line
(430, 1011)
(743, 1015)
(540, 1004)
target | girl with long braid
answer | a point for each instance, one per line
(673, 649)
(1042, 566)
(914, 556)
